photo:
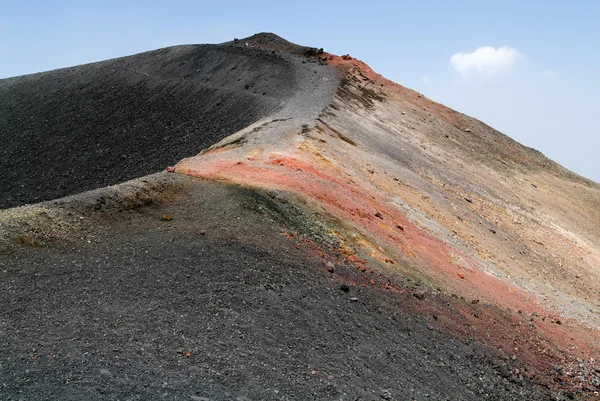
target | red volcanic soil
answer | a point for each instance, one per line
(225, 291)
(466, 300)
(356, 241)
(494, 314)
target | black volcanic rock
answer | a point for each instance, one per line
(75, 129)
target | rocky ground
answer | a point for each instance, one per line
(86, 127)
(209, 292)
(343, 237)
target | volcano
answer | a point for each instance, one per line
(262, 220)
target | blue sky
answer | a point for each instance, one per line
(537, 78)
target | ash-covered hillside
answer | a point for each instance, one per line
(75, 129)
(323, 233)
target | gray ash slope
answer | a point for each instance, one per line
(104, 299)
(75, 129)
(217, 305)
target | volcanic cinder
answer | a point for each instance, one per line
(322, 233)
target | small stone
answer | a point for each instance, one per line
(171, 169)
(345, 288)
(475, 301)
(354, 299)
(503, 370)
(469, 200)
(418, 295)
(166, 217)
(330, 267)
(400, 227)
(386, 395)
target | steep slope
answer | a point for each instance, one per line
(76, 129)
(433, 196)
(216, 304)
(354, 241)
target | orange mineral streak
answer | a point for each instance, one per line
(354, 66)
(412, 246)
(318, 169)
(350, 202)
(218, 150)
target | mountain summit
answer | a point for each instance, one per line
(320, 232)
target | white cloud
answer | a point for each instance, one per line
(485, 62)
(426, 80)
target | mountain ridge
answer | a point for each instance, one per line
(380, 198)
